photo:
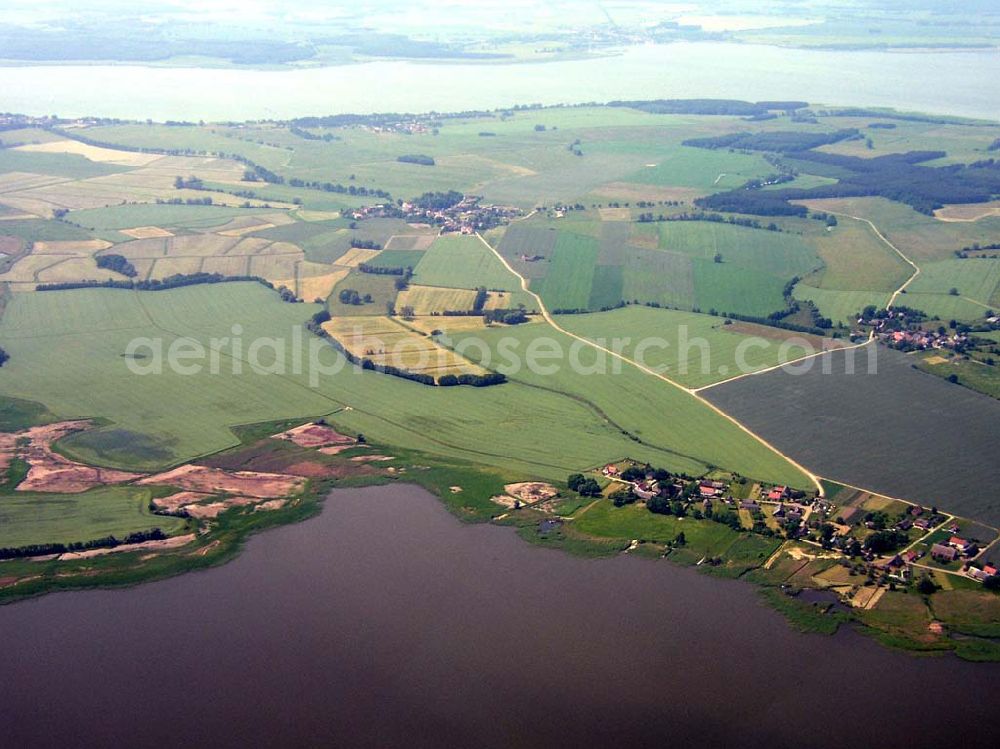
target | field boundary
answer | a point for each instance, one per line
(549, 319)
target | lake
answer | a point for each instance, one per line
(386, 622)
(944, 82)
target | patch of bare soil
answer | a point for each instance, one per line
(315, 435)
(370, 458)
(313, 470)
(214, 509)
(505, 501)
(529, 492)
(215, 480)
(50, 472)
(271, 504)
(337, 449)
(176, 502)
(163, 545)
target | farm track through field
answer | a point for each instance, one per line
(652, 373)
(894, 248)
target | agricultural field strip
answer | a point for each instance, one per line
(871, 335)
(894, 248)
(548, 318)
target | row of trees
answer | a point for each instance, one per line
(108, 542)
(154, 284)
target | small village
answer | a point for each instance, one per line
(467, 216)
(910, 330)
(886, 539)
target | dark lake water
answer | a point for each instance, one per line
(385, 622)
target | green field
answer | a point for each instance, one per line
(570, 277)
(840, 306)
(164, 216)
(27, 518)
(702, 537)
(777, 253)
(693, 349)
(977, 281)
(656, 414)
(712, 171)
(60, 341)
(855, 259)
(381, 288)
(463, 262)
(55, 164)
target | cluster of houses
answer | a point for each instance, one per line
(954, 549)
(899, 329)
(408, 127)
(909, 340)
(467, 216)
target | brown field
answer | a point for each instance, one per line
(146, 232)
(175, 502)
(968, 211)
(50, 472)
(170, 266)
(93, 153)
(319, 287)
(81, 247)
(246, 230)
(615, 214)
(410, 241)
(315, 435)
(214, 480)
(238, 265)
(158, 257)
(150, 180)
(387, 342)
(355, 256)
(818, 343)
(54, 262)
(636, 191)
(307, 215)
(426, 300)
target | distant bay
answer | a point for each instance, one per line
(940, 82)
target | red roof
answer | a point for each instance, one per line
(956, 541)
(990, 570)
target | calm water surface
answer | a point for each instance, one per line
(957, 83)
(385, 622)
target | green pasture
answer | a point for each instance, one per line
(463, 262)
(690, 348)
(29, 518)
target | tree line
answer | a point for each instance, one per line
(108, 542)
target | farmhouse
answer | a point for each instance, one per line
(645, 489)
(981, 574)
(959, 543)
(944, 553)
